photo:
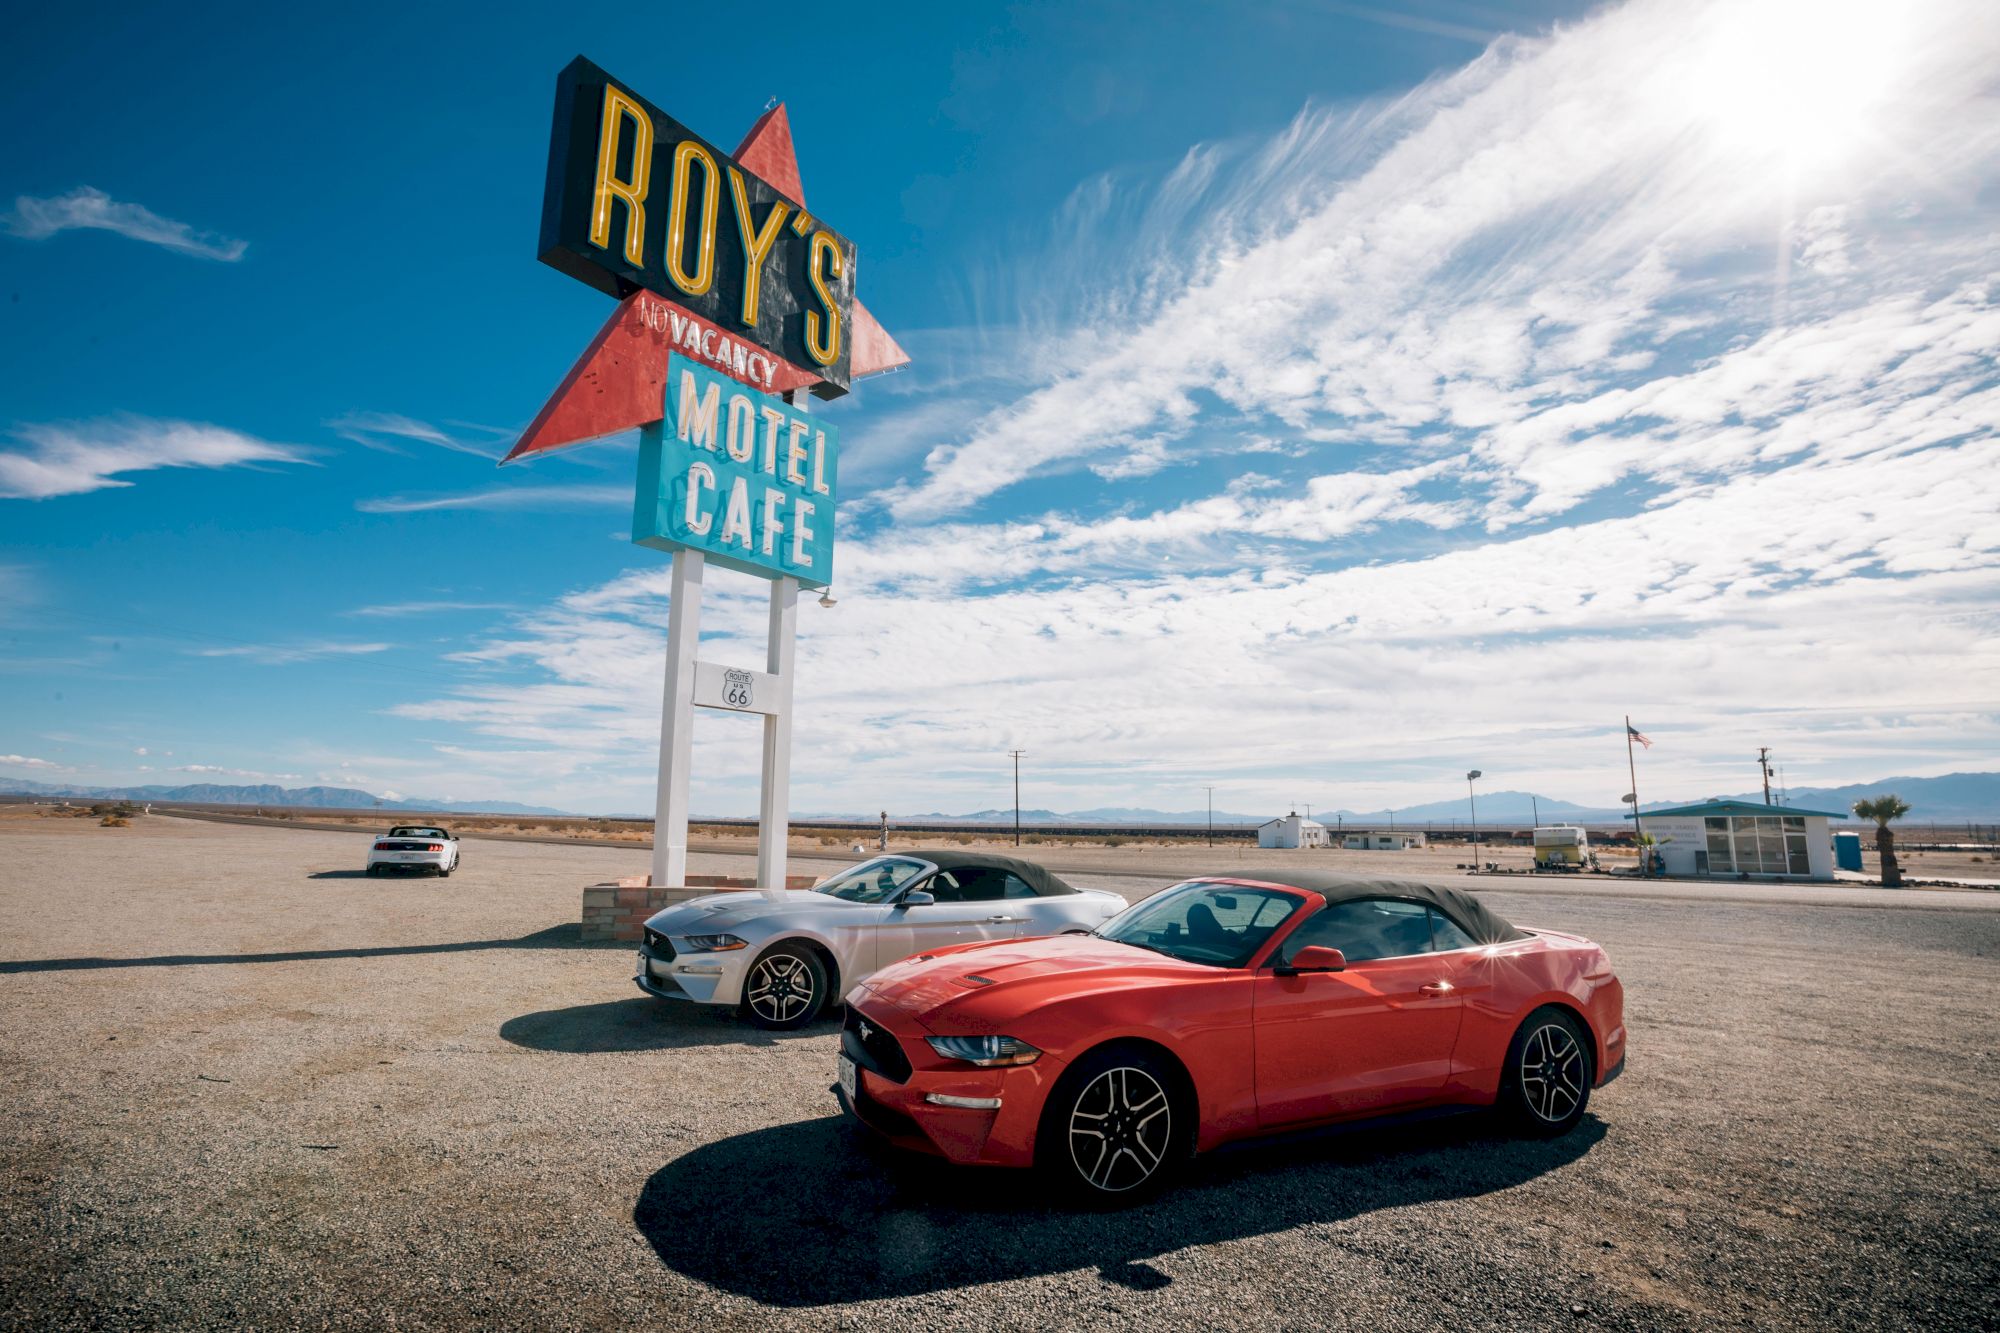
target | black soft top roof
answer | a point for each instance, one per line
(1474, 917)
(1042, 881)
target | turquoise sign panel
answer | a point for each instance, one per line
(743, 477)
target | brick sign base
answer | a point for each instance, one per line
(618, 910)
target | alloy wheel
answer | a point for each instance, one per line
(781, 988)
(1120, 1129)
(1552, 1072)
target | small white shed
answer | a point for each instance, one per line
(1294, 830)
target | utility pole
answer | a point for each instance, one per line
(1764, 770)
(1016, 756)
(1536, 803)
(1211, 815)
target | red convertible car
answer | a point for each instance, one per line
(1221, 1009)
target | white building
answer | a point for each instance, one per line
(1395, 840)
(1731, 839)
(1293, 830)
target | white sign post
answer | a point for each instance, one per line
(670, 813)
(707, 451)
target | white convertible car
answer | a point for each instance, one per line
(414, 847)
(781, 954)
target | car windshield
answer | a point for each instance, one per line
(416, 833)
(1219, 924)
(873, 881)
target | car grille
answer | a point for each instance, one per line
(659, 946)
(876, 1050)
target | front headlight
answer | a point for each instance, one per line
(988, 1051)
(715, 943)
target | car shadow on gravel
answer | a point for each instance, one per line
(645, 1024)
(569, 936)
(844, 1218)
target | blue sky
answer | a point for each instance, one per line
(1315, 400)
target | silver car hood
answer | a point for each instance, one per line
(720, 912)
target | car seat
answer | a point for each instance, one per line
(1205, 930)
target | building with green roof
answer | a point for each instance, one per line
(1742, 839)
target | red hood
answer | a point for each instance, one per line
(1015, 977)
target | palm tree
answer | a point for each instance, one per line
(1882, 809)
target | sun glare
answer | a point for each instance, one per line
(1801, 80)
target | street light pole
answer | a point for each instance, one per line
(1473, 799)
(1211, 815)
(1016, 756)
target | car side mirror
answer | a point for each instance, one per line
(918, 898)
(1314, 958)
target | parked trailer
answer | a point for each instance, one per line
(1561, 847)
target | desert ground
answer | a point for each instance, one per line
(248, 1086)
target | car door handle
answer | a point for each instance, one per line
(1436, 988)
(1005, 918)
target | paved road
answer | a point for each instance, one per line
(248, 1086)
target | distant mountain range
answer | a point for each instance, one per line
(313, 798)
(1953, 798)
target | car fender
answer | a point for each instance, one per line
(1516, 982)
(843, 966)
(1209, 1040)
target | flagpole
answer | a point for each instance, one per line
(1638, 826)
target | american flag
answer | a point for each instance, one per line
(1634, 733)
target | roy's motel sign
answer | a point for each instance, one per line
(636, 201)
(730, 294)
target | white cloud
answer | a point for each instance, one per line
(141, 750)
(376, 430)
(396, 609)
(1797, 605)
(220, 770)
(284, 654)
(26, 761)
(1518, 235)
(502, 497)
(87, 208)
(72, 459)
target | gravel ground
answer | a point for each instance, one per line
(248, 1086)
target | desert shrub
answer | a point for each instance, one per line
(114, 821)
(1034, 840)
(1114, 842)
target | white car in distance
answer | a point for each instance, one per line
(414, 847)
(783, 954)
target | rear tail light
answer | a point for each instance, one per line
(381, 846)
(435, 847)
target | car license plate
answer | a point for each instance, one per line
(850, 1078)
